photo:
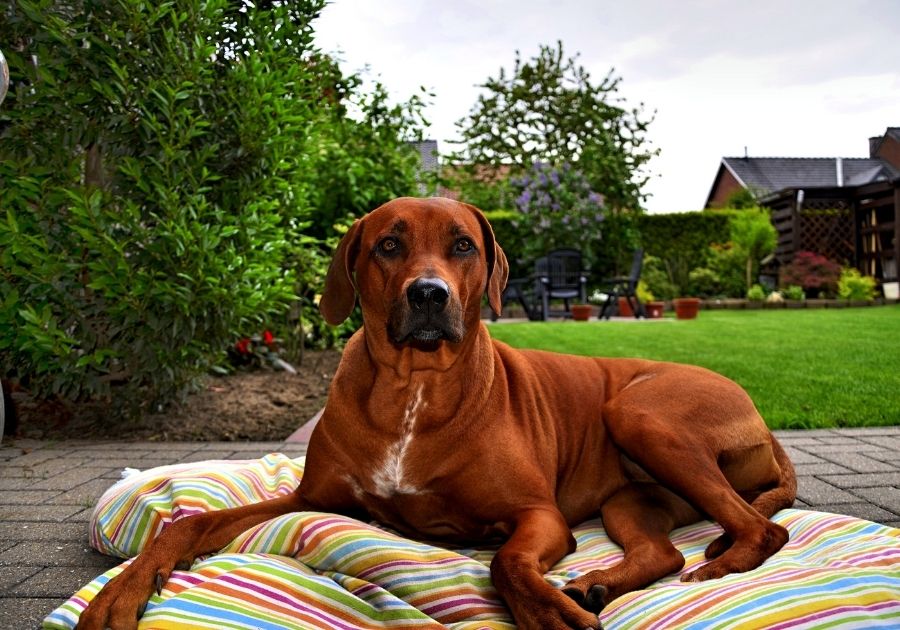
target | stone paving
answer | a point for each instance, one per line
(47, 491)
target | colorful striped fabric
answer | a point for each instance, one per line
(313, 570)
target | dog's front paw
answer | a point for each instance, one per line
(555, 612)
(123, 599)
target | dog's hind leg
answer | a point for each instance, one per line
(767, 502)
(638, 518)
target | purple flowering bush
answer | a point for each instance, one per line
(557, 208)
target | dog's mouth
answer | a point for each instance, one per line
(429, 329)
(427, 314)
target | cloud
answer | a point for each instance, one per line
(782, 78)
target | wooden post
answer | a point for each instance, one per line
(896, 231)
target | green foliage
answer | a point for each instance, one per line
(793, 292)
(703, 282)
(643, 292)
(741, 199)
(681, 241)
(756, 293)
(729, 266)
(855, 286)
(656, 278)
(162, 168)
(754, 237)
(549, 110)
(709, 253)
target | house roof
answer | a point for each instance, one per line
(764, 176)
(876, 142)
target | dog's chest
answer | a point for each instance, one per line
(391, 471)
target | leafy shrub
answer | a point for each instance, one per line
(728, 263)
(703, 282)
(643, 292)
(754, 237)
(855, 286)
(163, 167)
(656, 278)
(793, 292)
(756, 293)
(681, 241)
(814, 272)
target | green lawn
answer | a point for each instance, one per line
(808, 368)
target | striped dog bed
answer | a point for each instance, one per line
(314, 570)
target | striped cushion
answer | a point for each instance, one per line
(312, 570)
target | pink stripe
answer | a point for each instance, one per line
(309, 532)
(455, 603)
(287, 601)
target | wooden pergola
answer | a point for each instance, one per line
(857, 226)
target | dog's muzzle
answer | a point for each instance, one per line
(428, 295)
(426, 315)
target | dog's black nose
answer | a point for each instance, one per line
(428, 294)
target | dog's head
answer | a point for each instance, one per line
(420, 266)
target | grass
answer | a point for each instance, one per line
(812, 368)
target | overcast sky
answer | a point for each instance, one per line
(781, 78)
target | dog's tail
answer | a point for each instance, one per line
(783, 494)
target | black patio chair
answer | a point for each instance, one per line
(560, 275)
(625, 287)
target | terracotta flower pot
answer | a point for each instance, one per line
(654, 309)
(581, 312)
(686, 308)
(625, 309)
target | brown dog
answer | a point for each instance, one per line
(435, 429)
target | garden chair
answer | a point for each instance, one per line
(624, 287)
(560, 275)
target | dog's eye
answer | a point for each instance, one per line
(464, 246)
(389, 245)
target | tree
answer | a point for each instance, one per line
(548, 110)
(170, 178)
(754, 237)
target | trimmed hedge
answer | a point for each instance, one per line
(682, 240)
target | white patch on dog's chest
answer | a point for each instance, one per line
(390, 477)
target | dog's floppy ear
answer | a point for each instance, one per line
(498, 267)
(339, 296)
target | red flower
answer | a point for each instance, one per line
(243, 346)
(268, 338)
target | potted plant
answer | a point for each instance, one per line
(653, 309)
(686, 307)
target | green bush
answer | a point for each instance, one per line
(855, 286)
(703, 282)
(164, 167)
(756, 293)
(729, 265)
(682, 240)
(655, 276)
(793, 292)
